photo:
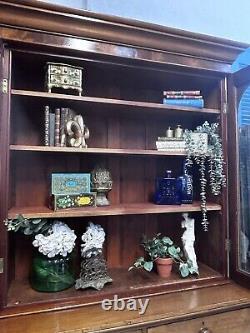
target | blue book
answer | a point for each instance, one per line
(195, 103)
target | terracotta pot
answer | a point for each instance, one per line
(164, 266)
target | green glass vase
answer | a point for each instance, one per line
(51, 274)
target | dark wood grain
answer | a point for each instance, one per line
(126, 284)
(30, 15)
(121, 209)
(109, 101)
(180, 307)
(111, 151)
(127, 64)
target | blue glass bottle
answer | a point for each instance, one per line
(185, 186)
(167, 192)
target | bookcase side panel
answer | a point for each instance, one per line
(5, 62)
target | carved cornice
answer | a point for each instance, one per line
(39, 16)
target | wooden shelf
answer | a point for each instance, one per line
(113, 210)
(114, 102)
(125, 284)
(95, 150)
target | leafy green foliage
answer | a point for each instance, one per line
(28, 226)
(214, 156)
(162, 247)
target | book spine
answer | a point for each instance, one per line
(196, 103)
(46, 125)
(57, 127)
(170, 144)
(183, 97)
(182, 92)
(64, 114)
(51, 129)
(165, 138)
(172, 150)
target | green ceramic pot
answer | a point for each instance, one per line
(51, 274)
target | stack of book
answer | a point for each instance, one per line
(170, 144)
(191, 98)
(55, 121)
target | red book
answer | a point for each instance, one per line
(182, 92)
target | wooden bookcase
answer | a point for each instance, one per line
(122, 106)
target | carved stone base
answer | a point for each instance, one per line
(93, 273)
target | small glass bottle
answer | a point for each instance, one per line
(166, 190)
(185, 186)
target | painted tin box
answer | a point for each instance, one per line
(70, 183)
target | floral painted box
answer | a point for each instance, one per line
(70, 183)
(73, 201)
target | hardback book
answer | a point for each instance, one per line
(57, 127)
(51, 129)
(64, 115)
(196, 103)
(182, 92)
(46, 125)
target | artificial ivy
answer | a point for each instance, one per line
(214, 156)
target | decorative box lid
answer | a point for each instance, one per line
(70, 183)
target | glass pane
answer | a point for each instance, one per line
(244, 174)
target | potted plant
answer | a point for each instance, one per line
(163, 252)
(54, 242)
(211, 158)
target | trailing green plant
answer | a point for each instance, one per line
(162, 247)
(28, 226)
(213, 157)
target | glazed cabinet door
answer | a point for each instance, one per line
(4, 162)
(239, 174)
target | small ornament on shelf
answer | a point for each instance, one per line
(173, 141)
(93, 266)
(101, 183)
(63, 127)
(167, 192)
(75, 132)
(71, 190)
(63, 76)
